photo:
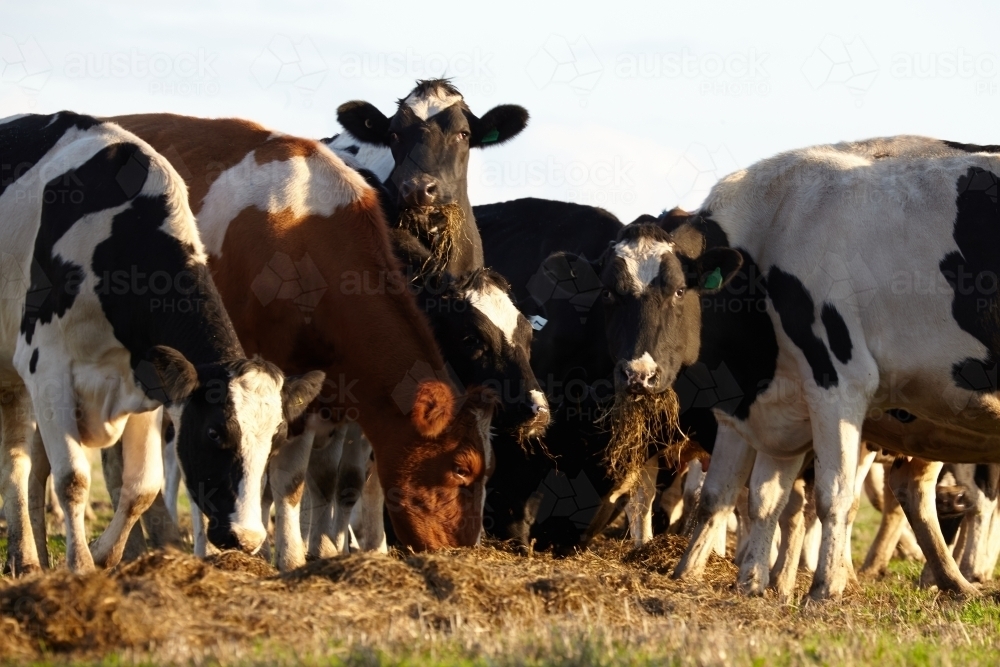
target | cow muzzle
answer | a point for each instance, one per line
(250, 539)
(419, 191)
(638, 376)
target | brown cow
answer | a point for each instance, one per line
(300, 252)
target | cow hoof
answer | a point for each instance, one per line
(964, 591)
(22, 569)
(751, 589)
(820, 592)
(752, 581)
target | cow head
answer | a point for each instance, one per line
(435, 490)
(227, 416)
(487, 341)
(430, 137)
(652, 282)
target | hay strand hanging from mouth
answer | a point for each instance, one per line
(640, 425)
(439, 229)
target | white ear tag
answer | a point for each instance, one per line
(537, 322)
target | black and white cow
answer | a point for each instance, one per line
(847, 238)
(109, 313)
(621, 307)
(429, 136)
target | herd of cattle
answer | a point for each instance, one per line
(330, 327)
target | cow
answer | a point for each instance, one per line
(592, 280)
(849, 333)
(418, 161)
(97, 231)
(302, 257)
(430, 136)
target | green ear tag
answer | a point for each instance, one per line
(490, 136)
(714, 279)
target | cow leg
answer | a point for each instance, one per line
(15, 471)
(38, 487)
(742, 525)
(372, 519)
(875, 487)
(171, 473)
(56, 413)
(976, 527)
(161, 530)
(266, 502)
(694, 480)
(732, 461)
(836, 441)
(320, 496)
(793, 534)
(350, 483)
(639, 508)
(866, 458)
(770, 484)
(142, 478)
(672, 501)
(914, 483)
(113, 465)
(287, 474)
(890, 530)
(993, 551)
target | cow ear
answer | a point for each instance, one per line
(433, 408)
(178, 377)
(497, 125)
(299, 391)
(364, 121)
(715, 268)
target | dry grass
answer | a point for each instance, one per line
(639, 424)
(440, 227)
(487, 606)
(484, 603)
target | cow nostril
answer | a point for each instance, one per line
(431, 189)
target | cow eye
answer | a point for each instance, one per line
(463, 134)
(462, 472)
(607, 296)
(680, 292)
(393, 137)
(214, 435)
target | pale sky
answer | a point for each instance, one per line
(635, 107)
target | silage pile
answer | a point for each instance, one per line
(173, 607)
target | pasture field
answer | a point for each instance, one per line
(486, 606)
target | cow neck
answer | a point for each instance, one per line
(203, 335)
(380, 359)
